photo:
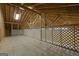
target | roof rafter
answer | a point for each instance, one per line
(25, 8)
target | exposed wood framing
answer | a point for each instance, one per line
(25, 8)
(70, 5)
(11, 23)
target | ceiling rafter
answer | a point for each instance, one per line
(70, 5)
(9, 12)
(27, 15)
(25, 7)
(26, 18)
(13, 14)
(23, 16)
(51, 17)
(35, 5)
(33, 17)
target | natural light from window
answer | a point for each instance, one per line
(17, 16)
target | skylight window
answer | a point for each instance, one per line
(17, 16)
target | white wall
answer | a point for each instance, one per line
(15, 32)
(45, 34)
(34, 33)
(49, 35)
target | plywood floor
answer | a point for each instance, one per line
(27, 46)
(20, 45)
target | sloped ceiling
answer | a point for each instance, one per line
(55, 14)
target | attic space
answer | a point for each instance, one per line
(39, 29)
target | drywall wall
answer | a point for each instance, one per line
(15, 32)
(40, 34)
(34, 33)
(49, 34)
(1, 25)
(43, 36)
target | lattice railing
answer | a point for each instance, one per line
(77, 37)
(57, 35)
(66, 36)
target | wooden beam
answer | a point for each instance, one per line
(11, 23)
(22, 15)
(70, 16)
(35, 5)
(18, 26)
(11, 27)
(67, 15)
(18, 5)
(26, 16)
(70, 5)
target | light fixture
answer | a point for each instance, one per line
(17, 16)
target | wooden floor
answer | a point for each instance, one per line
(27, 46)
